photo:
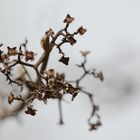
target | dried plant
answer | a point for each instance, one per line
(49, 84)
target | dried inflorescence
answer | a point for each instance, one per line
(49, 83)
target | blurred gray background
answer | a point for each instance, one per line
(113, 37)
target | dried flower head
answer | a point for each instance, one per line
(49, 33)
(60, 77)
(64, 60)
(51, 73)
(94, 126)
(29, 55)
(12, 51)
(1, 52)
(71, 40)
(81, 30)
(68, 19)
(11, 98)
(30, 110)
(72, 90)
(100, 76)
(84, 53)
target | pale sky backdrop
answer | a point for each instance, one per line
(113, 37)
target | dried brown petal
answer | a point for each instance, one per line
(12, 51)
(29, 55)
(64, 60)
(30, 110)
(71, 40)
(68, 19)
(84, 53)
(11, 98)
(81, 30)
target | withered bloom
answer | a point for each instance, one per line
(81, 30)
(64, 60)
(72, 90)
(100, 76)
(68, 19)
(45, 39)
(30, 110)
(29, 55)
(51, 73)
(49, 33)
(60, 77)
(4, 58)
(71, 40)
(12, 51)
(95, 126)
(11, 98)
(84, 53)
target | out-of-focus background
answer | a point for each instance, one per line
(113, 37)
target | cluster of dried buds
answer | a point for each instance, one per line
(48, 83)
